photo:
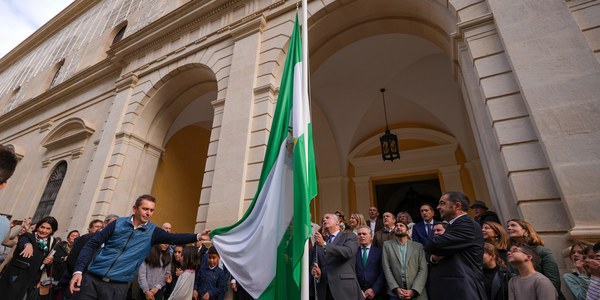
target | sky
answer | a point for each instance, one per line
(21, 18)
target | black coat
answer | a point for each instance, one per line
(22, 274)
(499, 284)
(459, 275)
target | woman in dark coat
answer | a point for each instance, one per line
(23, 272)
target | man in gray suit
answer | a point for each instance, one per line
(334, 270)
(404, 266)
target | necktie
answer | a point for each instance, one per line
(364, 256)
(330, 238)
(429, 229)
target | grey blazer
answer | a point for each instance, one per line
(337, 262)
(416, 267)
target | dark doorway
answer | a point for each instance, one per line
(408, 197)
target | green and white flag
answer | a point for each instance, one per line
(263, 250)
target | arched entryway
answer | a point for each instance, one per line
(179, 119)
(404, 47)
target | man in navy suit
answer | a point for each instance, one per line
(457, 254)
(368, 265)
(422, 232)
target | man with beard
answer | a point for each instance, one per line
(457, 254)
(404, 266)
(335, 271)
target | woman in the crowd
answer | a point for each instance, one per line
(579, 279)
(184, 288)
(60, 257)
(154, 271)
(406, 218)
(496, 235)
(176, 270)
(520, 232)
(342, 218)
(356, 220)
(24, 271)
(495, 274)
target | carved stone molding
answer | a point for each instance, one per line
(68, 132)
(73, 154)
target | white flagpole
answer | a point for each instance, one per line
(305, 266)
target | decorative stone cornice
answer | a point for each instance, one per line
(72, 12)
(458, 37)
(61, 92)
(73, 153)
(68, 132)
(267, 88)
(183, 20)
(585, 232)
(127, 82)
(252, 26)
(135, 140)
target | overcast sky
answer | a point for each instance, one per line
(21, 18)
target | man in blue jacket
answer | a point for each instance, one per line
(127, 242)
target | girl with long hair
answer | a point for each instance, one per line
(154, 271)
(496, 235)
(578, 280)
(176, 270)
(184, 288)
(495, 274)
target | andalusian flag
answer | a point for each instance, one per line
(263, 250)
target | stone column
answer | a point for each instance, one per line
(451, 177)
(97, 196)
(558, 76)
(363, 193)
(229, 179)
(209, 169)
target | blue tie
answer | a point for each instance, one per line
(330, 238)
(429, 230)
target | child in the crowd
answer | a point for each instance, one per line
(185, 273)
(530, 284)
(211, 281)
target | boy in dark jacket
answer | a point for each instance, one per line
(211, 281)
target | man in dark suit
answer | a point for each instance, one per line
(334, 270)
(422, 232)
(368, 265)
(457, 254)
(375, 222)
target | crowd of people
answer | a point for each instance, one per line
(447, 254)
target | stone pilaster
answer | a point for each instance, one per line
(228, 185)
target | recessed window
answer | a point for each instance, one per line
(58, 67)
(120, 34)
(13, 99)
(50, 192)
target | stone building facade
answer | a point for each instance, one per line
(112, 99)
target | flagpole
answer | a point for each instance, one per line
(305, 266)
